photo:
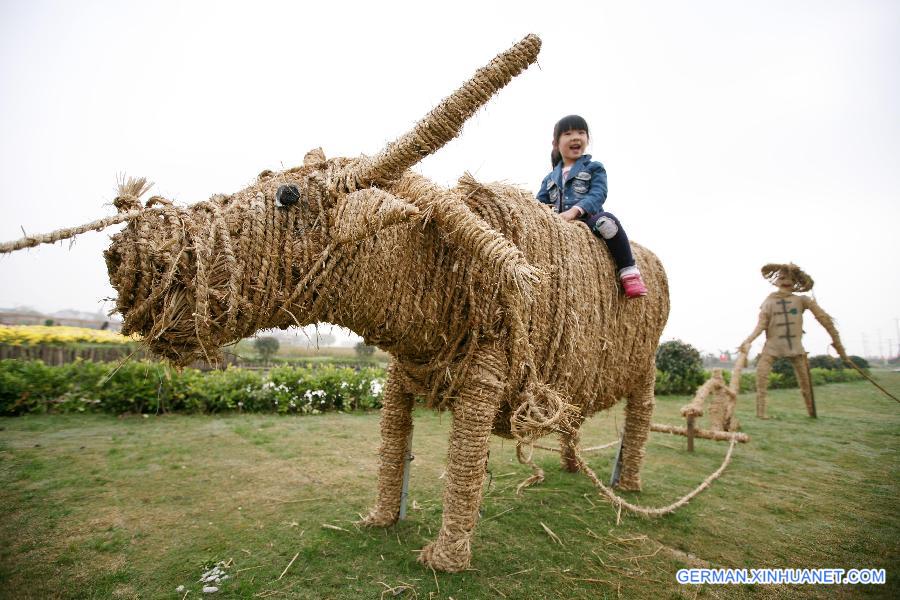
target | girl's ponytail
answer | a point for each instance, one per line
(555, 157)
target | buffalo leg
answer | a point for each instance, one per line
(467, 455)
(638, 411)
(396, 425)
(567, 443)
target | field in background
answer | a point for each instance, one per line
(103, 507)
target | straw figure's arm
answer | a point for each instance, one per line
(827, 322)
(695, 407)
(761, 326)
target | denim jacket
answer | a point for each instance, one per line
(585, 187)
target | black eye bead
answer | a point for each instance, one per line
(287, 195)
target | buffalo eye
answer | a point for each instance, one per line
(287, 195)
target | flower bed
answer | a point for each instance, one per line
(149, 387)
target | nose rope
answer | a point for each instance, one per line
(30, 241)
(193, 279)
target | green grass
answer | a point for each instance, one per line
(99, 507)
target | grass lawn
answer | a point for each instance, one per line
(100, 507)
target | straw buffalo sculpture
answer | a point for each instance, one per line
(488, 303)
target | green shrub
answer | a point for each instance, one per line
(823, 361)
(149, 387)
(859, 361)
(26, 386)
(748, 381)
(785, 368)
(819, 376)
(682, 368)
(325, 388)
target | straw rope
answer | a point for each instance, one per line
(621, 503)
(445, 122)
(129, 208)
(68, 232)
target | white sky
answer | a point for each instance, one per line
(734, 133)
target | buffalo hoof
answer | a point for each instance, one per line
(626, 485)
(447, 557)
(378, 518)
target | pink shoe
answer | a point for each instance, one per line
(634, 285)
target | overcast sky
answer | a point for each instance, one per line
(734, 133)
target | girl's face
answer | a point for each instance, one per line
(572, 145)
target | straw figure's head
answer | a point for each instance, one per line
(193, 279)
(787, 277)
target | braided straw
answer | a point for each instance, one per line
(445, 122)
(621, 503)
(706, 434)
(802, 281)
(129, 208)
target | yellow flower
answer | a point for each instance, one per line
(32, 335)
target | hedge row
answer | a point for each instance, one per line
(666, 384)
(150, 387)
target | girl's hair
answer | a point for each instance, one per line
(563, 125)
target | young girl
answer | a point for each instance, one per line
(576, 188)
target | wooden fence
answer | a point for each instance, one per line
(60, 355)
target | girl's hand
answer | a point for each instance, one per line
(573, 214)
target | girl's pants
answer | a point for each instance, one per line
(605, 225)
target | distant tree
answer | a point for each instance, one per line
(363, 350)
(859, 361)
(823, 361)
(682, 364)
(49, 323)
(266, 347)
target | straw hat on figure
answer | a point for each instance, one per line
(781, 317)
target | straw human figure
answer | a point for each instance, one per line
(781, 318)
(489, 304)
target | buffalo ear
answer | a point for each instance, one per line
(364, 213)
(314, 158)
